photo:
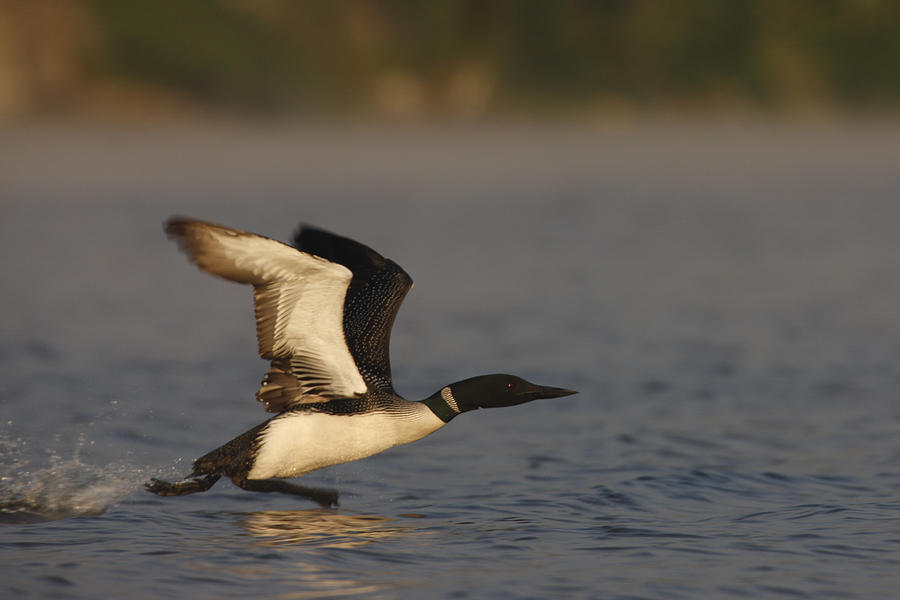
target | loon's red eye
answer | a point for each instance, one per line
(510, 386)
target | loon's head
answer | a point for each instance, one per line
(489, 391)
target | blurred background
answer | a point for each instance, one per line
(406, 59)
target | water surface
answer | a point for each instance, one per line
(726, 300)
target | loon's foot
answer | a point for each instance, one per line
(165, 488)
(325, 497)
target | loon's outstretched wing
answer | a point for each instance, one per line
(300, 311)
(376, 291)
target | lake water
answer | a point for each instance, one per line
(725, 298)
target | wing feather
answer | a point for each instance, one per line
(299, 304)
(376, 291)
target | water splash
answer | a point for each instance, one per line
(34, 490)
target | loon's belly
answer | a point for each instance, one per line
(299, 442)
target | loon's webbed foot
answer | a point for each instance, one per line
(192, 486)
(324, 497)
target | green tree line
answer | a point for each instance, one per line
(502, 55)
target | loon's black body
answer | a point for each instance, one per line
(324, 312)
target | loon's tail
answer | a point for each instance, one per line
(232, 459)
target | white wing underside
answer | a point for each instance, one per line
(299, 301)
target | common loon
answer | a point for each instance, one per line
(324, 312)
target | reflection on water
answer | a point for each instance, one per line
(324, 528)
(329, 588)
(305, 579)
(321, 529)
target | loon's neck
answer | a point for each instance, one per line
(443, 404)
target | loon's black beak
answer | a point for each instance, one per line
(541, 392)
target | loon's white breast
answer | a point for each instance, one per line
(299, 442)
